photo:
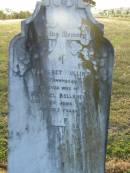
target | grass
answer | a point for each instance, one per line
(118, 31)
(7, 31)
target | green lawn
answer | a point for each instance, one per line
(116, 30)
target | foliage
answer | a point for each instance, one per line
(121, 12)
(14, 15)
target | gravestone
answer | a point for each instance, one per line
(60, 77)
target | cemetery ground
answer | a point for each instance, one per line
(118, 150)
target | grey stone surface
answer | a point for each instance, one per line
(60, 78)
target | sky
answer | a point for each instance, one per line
(30, 4)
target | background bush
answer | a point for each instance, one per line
(8, 14)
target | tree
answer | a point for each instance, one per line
(2, 15)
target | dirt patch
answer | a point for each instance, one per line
(3, 171)
(117, 166)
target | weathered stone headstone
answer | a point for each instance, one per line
(59, 91)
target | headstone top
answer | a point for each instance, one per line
(64, 3)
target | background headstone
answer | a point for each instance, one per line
(60, 80)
